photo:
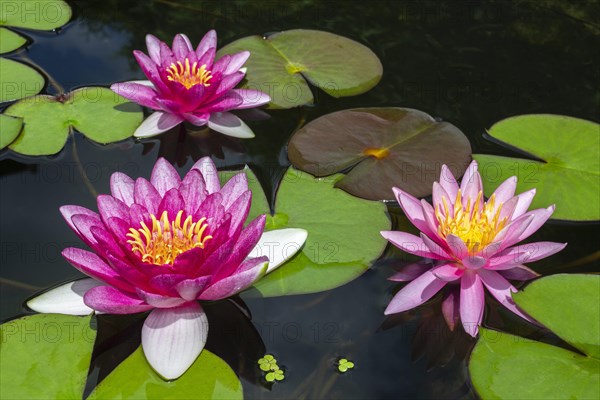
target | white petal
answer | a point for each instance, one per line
(172, 338)
(65, 299)
(156, 123)
(145, 83)
(230, 125)
(279, 245)
(244, 70)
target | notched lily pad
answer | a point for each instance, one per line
(208, 378)
(567, 172)
(10, 40)
(42, 15)
(381, 148)
(18, 80)
(45, 356)
(343, 233)
(10, 127)
(280, 65)
(98, 113)
(503, 366)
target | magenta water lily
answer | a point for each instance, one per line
(187, 84)
(474, 244)
(162, 245)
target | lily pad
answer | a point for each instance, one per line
(343, 233)
(10, 127)
(98, 113)
(18, 80)
(208, 378)
(10, 40)
(504, 366)
(44, 15)
(567, 172)
(383, 148)
(281, 63)
(45, 356)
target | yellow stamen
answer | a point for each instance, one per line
(188, 75)
(162, 243)
(474, 223)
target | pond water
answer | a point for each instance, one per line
(471, 63)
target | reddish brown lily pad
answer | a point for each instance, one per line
(379, 148)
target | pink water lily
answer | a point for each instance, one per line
(162, 245)
(474, 243)
(187, 84)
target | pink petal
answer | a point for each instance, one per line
(519, 273)
(157, 123)
(234, 188)
(236, 283)
(252, 98)
(471, 185)
(200, 119)
(457, 246)
(109, 300)
(472, 302)
(149, 68)
(236, 62)
(121, 187)
(172, 203)
(209, 173)
(193, 191)
(448, 182)
(189, 289)
(209, 41)
(524, 202)
(502, 290)
(540, 216)
(173, 338)
(447, 272)
(508, 209)
(110, 207)
(247, 241)
(451, 309)
(509, 259)
(435, 248)
(153, 46)
(160, 301)
(239, 212)
(474, 262)
(415, 293)
(539, 250)
(505, 191)
(409, 243)
(140, 94)
(165, 283)
(90, 264)
(69, 211)
(146, 195)
(228, 82)
(164, 177)
(83, 224)
(438, 194)
(508, 236)
(413, 210)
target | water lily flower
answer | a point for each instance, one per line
(186, 84)
(162, 245)
(473, 241)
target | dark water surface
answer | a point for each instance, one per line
(471, 63)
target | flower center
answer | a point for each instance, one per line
(165, 240)
(188, 75)
(476, 225)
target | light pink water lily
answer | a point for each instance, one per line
(474, 242)
(162, 245)
(186, 84)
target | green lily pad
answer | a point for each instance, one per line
(10, 40)
(281, 63)
(98, 113)
(343, 234)
(208, 378)
(42, 15)
(383, 147)
(18, 80)
(504, 366)
(10, 127)
(45, 357)
(568, 170)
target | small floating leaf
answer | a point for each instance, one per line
(280, 65)
(268, 363)
(503, 366)
(569, 173)
(97, 112)
(42, 15)
(344, 365)
(208, 378)
(10, 127)
(45, 356)
(383, 147)
(10, 40)
(276, 375)
(18, 80)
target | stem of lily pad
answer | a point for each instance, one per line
(86, 180)
(59, 89)
(18, 285)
